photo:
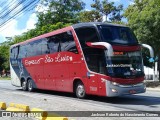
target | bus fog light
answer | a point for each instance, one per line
(114, 90)
(114, 83)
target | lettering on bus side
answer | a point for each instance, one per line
(32, 62)
(65, 58)
(49, 59)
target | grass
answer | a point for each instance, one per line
(5, 78)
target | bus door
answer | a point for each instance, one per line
(92, 62)
(96, 64)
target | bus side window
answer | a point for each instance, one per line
(37, 48)
(68, 43)
(86, 34)
(29, 47)
(14, 52)
(34, 48)
(22, 51)
(44, 46)
(53, 44)
(11, 53)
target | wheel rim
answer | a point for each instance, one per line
(30, 85)
(24, 85)
(80, 91)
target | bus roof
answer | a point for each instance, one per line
(65, 29)
(95, 24)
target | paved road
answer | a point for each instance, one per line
(57, 101)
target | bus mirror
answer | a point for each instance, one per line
(150, 49)
(102, 45)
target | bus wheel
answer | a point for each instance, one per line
(80, 90)
(30, 85)
(24, 85)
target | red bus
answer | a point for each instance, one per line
(87, 58)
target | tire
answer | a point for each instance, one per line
(80, 90)
(24, 85)
(30, 85)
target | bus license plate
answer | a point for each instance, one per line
(132, 91)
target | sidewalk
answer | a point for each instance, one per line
(153, 89)
(152, 85)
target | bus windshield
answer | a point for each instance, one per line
(117, 35)
(125, 64)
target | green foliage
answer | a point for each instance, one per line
(89, 16)
(60, 11)
(38, 31)
(4, 55)
(100, 9)
(144, 18)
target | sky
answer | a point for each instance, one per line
(27, 20)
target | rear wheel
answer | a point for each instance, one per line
(30, 85)
(24, 85)
(80, 90)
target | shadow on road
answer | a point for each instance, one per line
(123, 100)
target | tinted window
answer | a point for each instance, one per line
(86, 35)
(107, 34)
(54, 43)
(44, 46)
(14, 52)
(62, 42)
(68, 43)
(117, 35)
(95, 60)
(34, 48)
(22, 51)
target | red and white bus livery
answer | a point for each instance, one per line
(86, 58)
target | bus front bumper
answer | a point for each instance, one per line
(114, 89)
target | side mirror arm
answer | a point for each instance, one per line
(150, 49)
(102, 44)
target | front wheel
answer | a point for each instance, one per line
(80, 90)
(30, 85)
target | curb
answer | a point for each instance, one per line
(18, 107)
(3, 106)
(44, 115)
(153, 89)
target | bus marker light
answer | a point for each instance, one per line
(132, 91)
(103, 80)
(114, 83)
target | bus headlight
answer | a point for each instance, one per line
(114, 90)
(114, 83)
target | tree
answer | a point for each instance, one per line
(4, 55)
(100, 9)
(38, 31)
(60, 13)
(89, 16)
(144, 18)
(64, 11)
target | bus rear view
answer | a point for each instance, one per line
(95, 58)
